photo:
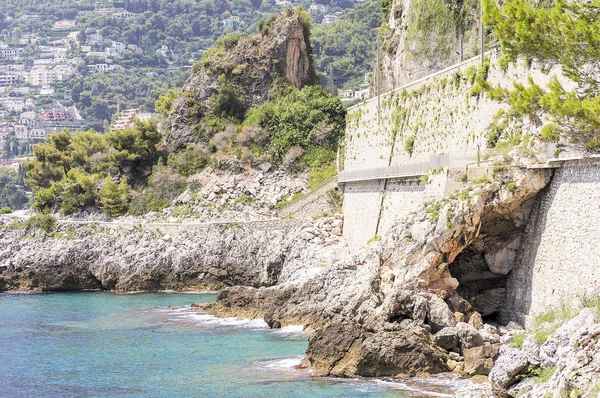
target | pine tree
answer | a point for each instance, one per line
(114, 197)
(565, 35)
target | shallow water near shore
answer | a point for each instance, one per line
(107, 345)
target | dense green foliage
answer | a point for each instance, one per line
(96, 95)
(12, 196)
(14, 147)
(124, 171)
(164, 186)
(565, 35)
(309, 119)
(71, 172)
(435, 25)
(299, 128)
(185, 28)
(44, 222)
(345, 48)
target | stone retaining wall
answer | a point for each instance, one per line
(441, 115)
(560, 256)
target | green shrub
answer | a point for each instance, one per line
(164, 186)
(44, 222)
(164, 103)
(146, 201)
(512, 187)
(542, 374)
(541, 336)
(288, 201)
(114, 197)
(228, 103)
(481, 180)
(551, 132)
(265, 24)
(546, 323)
(229, 41)
(188, 162)
(245, 199)
(376, 238)
(518, 340)
(318, 176)
(470, 74)
(181, 211)
(309, 118)
(5, 210)
(463, 177)
(409, 144)
(318, 156)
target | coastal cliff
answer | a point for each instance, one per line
(438, 291)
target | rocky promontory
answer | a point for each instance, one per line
(246, 68)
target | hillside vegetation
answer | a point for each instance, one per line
(167, 34)
(138, 170)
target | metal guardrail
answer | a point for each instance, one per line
(403, 171)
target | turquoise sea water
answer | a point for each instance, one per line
(107, 345)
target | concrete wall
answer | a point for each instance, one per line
(313, 204)
(442, 116)
(560, 256)
(374, 207)
(362, 204)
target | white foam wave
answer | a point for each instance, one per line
(290, 329)
(410, 387)
(188, 316)
(286, 363)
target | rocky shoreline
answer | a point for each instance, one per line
(391, 309)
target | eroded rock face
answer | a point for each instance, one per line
(251, 65)
(347, 349)
(381, 297)
(147, 257)
(374, 312)
(571, 354)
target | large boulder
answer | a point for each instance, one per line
(469, 336)
(346, 349)
(406, 304)
(439, 314)
(332, 349)
(510, 364)
(447, 338)
(480, 360)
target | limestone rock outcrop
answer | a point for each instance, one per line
(346, 349)
(570, 356)
(397, 288)
(251, 64)
(422, 37)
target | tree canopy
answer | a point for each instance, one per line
(565, 34)
(67, 170)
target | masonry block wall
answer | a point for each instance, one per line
(559, 260)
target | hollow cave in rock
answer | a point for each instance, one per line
(483, 267)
